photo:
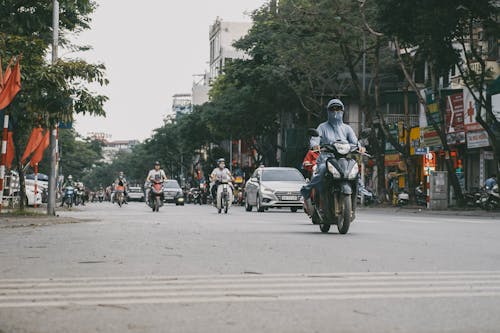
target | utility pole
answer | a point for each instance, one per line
(365, 109)
(51, 204)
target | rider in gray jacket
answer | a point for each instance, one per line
(330, 131)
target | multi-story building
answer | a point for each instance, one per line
(200, 89)
(181, 104)
(222, 36)
(111, 148)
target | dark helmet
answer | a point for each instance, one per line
(157, 163)
(335, 104)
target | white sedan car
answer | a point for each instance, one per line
(274, 188)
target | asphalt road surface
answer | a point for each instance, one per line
(188, 269)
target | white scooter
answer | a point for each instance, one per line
(224, 196)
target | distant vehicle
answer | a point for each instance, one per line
(135, 193)
(12, 190)
(274, 188)
(172, 192)
(42, 184)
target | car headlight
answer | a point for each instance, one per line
(333, 170)
(354, 172)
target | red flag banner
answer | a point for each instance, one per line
(33, 142)
(38, 155)
(11, 88)
(6, 75)
(10, 151)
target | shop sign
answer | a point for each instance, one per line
(455, 130)
(393, 131)
(429, 163)
(470, 113)
(431, 137)
(477, 139)
(420, 151)
(415, 141)
(488, 155)
(392, 159)
(429, 134)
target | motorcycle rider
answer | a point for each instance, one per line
(121, 180)
(218, 175)
(309, 162)
(334, 129)
(156, 173)
(69, 182)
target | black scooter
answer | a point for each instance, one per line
(337, 203)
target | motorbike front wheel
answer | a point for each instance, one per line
(324, 228)
(344, 220)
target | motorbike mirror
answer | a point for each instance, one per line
(312, 132)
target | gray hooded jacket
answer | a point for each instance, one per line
(334, 129)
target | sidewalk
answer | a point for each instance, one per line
(34, 218)
(413, 209)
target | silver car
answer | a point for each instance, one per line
(274, 188)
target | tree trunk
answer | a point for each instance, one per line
(20, 170)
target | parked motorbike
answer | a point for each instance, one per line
(365, 195)
(489, 198)
(155, 200)
(420, 195)
(403, 197)
(337, 203)
(224, 196)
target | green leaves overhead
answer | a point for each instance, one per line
(50, 93)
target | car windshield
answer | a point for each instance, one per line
(281, 175)
(172, 184)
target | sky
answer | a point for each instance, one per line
(151, 49)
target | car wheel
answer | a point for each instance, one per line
(248, 207)
(260, 209)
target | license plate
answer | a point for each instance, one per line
(289, 198)
(169, 197)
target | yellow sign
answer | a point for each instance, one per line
(415, 140)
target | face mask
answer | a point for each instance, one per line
(335, 116)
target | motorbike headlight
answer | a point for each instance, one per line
(354, 172)
(343, 148)
(333, 170)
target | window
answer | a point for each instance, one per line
(282, 175)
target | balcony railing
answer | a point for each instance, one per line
(395, 118)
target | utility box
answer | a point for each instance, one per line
(438, 198)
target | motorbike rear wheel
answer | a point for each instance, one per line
(158, 203)
(344, 220)
(226, 205)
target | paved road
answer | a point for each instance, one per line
(188, 269)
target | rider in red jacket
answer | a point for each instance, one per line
(310, 160)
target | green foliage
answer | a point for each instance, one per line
(78, 155)
(50, 92)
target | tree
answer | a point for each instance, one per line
(50, 93)
(431, 30)
(78, 155)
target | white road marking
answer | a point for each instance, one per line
(246, 288)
